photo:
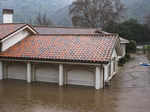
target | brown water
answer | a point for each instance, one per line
(130, 92)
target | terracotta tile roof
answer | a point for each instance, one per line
(7, 29)
(122, 40)
(64, 30)
(64, 48)
(72, 31)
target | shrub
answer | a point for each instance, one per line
(122, 61)
(131, 47)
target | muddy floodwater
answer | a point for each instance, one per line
(130, 92)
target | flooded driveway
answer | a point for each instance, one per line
(130, 92)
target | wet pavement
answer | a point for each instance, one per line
(130, 92)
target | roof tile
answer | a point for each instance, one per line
(79, 48)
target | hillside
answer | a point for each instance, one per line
(25, 9)
(58, 11)
(62, 17)
(137, 9)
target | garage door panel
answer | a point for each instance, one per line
(46, 73)
(16, 71)
(77, 82)
(46, 79)
(81, 77)
(16, 76)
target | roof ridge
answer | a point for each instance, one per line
(63, 27)
(104, 35)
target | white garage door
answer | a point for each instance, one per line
(46, 73)
(80, 77)
(16, 71)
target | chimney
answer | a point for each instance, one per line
(8, 15)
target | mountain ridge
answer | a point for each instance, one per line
(58, 10)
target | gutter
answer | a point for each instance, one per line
(60, 61)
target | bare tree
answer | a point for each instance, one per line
(95, 13)
(42, 19)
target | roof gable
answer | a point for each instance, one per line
(6, 29)
(10, 28)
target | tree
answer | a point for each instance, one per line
(42, 19)
(147, 20)
(131, 47)
(131, 30)
(95, 13)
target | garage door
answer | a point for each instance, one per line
(16, 71)
(46, 73)
(80, 77)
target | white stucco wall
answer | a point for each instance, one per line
(14, 39)
(123, 47)
(114, 55)
(106, 71)
(1, 70)
(111, 68)
(113, 62)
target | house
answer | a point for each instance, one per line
(123, 43)
(74, 59)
